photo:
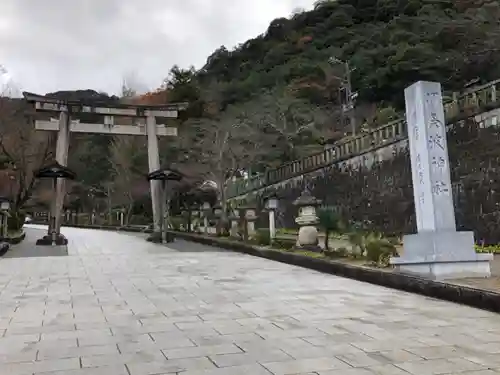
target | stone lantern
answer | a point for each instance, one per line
(4, 214)
(193, 219)
(234, 218)
(206, 211)
(164, 175)
(251, 218)
(307, 220)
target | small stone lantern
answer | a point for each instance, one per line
(251, 218)
(195, 218)
(307, 220)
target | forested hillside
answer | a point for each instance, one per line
(390, 43)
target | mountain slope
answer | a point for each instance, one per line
(389, 43)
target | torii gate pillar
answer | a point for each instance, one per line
(154, 164)
(62, 147)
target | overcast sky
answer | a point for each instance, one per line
(50, 45)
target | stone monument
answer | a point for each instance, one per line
(437, 251)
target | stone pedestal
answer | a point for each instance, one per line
(442, 255)
(438, 251)
(307, 220)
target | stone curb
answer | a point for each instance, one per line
(482, 299)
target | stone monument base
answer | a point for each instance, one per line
(46, 240)
(442, 255)
(157, 237)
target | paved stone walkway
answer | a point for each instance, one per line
(118, 305)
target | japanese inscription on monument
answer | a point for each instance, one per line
(429, 157)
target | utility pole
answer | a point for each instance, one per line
(350, 96)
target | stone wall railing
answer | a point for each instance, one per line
(470, 102)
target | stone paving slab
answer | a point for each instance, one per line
(119, 305)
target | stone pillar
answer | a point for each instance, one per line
(307, 220)
(62, 146)
(438, 251)
(251, 218)
(235, 220)
(154, 164)
(272, 225)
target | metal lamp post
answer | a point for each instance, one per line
(350, 95)
(163, 175)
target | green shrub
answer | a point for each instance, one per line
(490, 249)
(329, 220)
(310, 254)
(284, 243)
(357, 240)
(378, 251)
(15, 221)
(262, 237)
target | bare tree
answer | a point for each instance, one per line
(223, 144)
(23, 149)
(288, 122)
(123, 148)
(123, 152)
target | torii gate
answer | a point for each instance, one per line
(143, 122)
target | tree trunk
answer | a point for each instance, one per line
(223, 220)
(327, 235)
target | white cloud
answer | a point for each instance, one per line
(78, 44)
